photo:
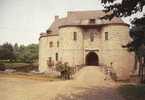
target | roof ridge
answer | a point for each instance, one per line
(75, 17)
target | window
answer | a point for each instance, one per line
(92, 37)
(92, 21)
(57, 43)
(51, 44)
(106, 35)
(56, 56)
(75, 36)
(49, 62)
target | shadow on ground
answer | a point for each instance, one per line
(98, 93)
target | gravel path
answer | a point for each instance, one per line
(88, 84)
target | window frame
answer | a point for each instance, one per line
(50, 44)
(57, 43)
(92, 21)
(106, 36)
(75, 36)
(56, 56)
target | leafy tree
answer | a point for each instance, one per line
(28, 53)
(123, 8)
(137, 32)
(6, 52)
(33, 49)
(16, 51)
(1, 53)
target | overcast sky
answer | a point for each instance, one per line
(21, 21)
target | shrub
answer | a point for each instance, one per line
(64, 69)
(2, 66)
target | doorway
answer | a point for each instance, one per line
(92, 59)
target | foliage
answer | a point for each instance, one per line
(27, 54)
(64, 69)
(2, 66)
(126, 8)
(6, 52)
(32, 76)
(17, 66)
(122, 8)
(132, 92)
(137, 45)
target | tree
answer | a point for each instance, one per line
(123, 8)
(28, 53)
(33, 49)
(6, 52)
(137, 33)
(16, 51)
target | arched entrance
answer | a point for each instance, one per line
(92, 59)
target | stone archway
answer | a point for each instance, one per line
(92, 59)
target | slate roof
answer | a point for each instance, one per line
(81, 18)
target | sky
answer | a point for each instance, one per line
(21, 21)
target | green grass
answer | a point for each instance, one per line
(15, 65)
(18, 66)
(132, 92)
(40, 77)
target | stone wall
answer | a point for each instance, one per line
(45, 51)
(74, 51)
(71, 50)
(95, 45)
(112, 50)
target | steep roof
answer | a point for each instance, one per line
(81, 18)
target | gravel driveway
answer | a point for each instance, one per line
(88, 84)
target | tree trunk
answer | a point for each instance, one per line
(136, 61)
(141, 74)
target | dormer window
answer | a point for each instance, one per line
(48, 31)
(92, 21)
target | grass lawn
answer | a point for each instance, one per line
(20, 67)
(22, 71)
(43, 77)
(15, 65)
(132, 92)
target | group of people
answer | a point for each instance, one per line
(108, 71)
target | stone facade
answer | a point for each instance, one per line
(83, 38)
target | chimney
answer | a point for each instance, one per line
(56, 17)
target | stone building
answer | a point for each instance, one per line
(83, 38)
